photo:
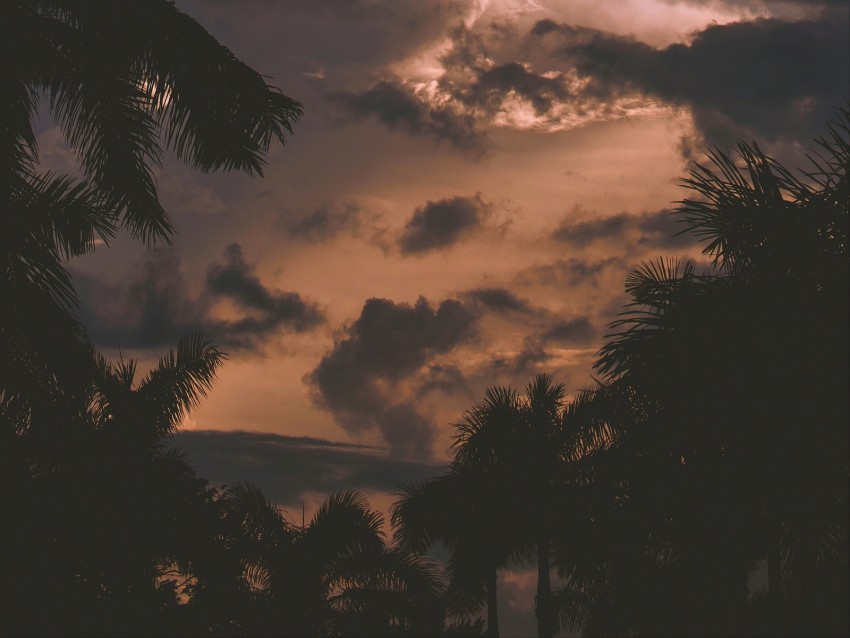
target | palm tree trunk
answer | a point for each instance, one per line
(545, 617)
(774, 558)
(492, 607)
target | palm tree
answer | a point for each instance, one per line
(117, 77)
(723, 370)
(518, 444)
(334, 576)
(460, 511)
(120, 79)
(122, 506)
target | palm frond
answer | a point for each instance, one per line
(54, 218)
(344, 525)
(117, 76)
(180, 381)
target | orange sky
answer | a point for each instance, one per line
(517, 157)
(458, 208)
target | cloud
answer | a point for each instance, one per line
(236, 280)
(440, 224)
(500, 300)
(444, 378)
(493, 84)
(155, 308)
(337, 39)
(287, 467)
(775, 79)
(324, 223)
(659, 229)
(768, 77)
(567, 273)
(553, 333)
(398, 107)
(151, 310)
(523, 363)
(576, 331)
(360, 380)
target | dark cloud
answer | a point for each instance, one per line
(396, 106)
(156, 308)
(347, 40)
(577, 331)
(358, 381)
(493, 84)
(323, 223)
(152, 310)
(500, 300)
(486, 66)
(588, 231)
(774, 6)
(287, 467)
(659, 229)
(441, 224)
(535, 351)
(767, 77)
(444, 378)
(525, 362)
(236, 280)
(566, 273)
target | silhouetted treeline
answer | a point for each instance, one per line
(714, 447)
(713, 450)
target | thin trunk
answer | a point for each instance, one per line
(492, 607)
(545, 617)
(774, 559)
(774, 569)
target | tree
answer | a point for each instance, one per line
(80, 443)
(103, 506)
(737, 379)
(117, 77)
(461, 511)
(335, 576)
(518, 445)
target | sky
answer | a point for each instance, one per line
(458, 208)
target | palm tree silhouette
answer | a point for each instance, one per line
(460, 511)
(118, 78)
(335, 576)
(123, 506)
(721, 369)
(518, 445)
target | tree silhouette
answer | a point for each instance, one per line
(102, 505)
(460, 511)
(117, 77)
(737, 379)
(335, 576)
(518, 445)
(99, 511)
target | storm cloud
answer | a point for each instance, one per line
(359, 380)
(500, 300)
(576, 331)
(492, 84)
(237, 280)
(777, 79)
(287, 467)
(768, 77)
(155, 308)
(398, 107)
(659, 229)
(569, 272)
(325, 223)
(440, 224)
